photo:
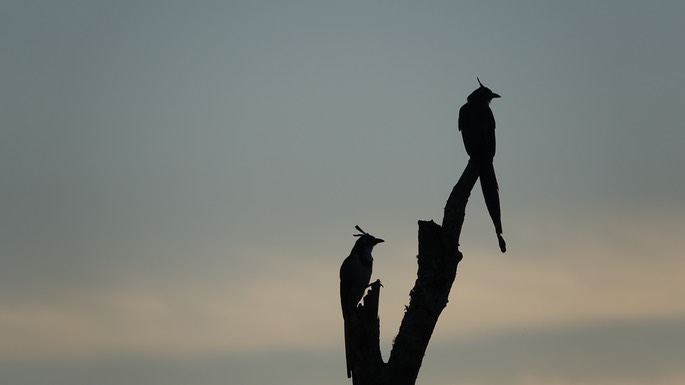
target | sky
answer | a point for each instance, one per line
(181, 181)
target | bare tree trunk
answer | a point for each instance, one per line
(438, 259)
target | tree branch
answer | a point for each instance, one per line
(438, 259)
(365, 335)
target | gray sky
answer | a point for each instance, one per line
(181, 181)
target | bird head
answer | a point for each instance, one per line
(366, 241)
(482, 94)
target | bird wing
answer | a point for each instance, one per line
(477, 126)
(346, 279)
(466, 126)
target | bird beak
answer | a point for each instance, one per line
(494, 95)
(378, 240)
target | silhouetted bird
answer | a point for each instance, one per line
(477, 126)
(355, 274)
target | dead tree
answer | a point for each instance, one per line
(438, 258)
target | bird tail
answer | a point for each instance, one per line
(348, 348)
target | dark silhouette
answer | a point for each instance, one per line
(355, 274)
(438, 259)
(477, 126)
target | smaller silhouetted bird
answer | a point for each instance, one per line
(477, 126)
(355, 274)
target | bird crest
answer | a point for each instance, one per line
(482, 93)
(366, 238)
(361, 231)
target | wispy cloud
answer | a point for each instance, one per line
(292, 301)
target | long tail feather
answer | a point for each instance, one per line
(348, 349)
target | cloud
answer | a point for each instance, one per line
(611, 352)
(288, 299)
(645, 351)
(170, 317)
(565, 272)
